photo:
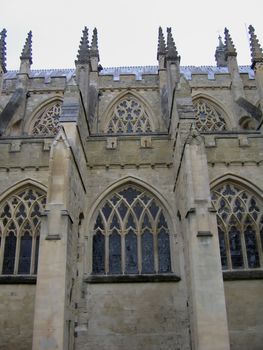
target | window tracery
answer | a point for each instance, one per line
(47, 121)
(131, 235)
(208, 117)
(129, 116)
(20, 230)
(240, 227)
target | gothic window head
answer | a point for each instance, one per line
(240, 227)
(129, 117)
(131, 234)
(208, 117)
(19, 231)
(46, 123)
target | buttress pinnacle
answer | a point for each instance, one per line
(83, 56)
(27, 49)
(171, 48)
(3, 50)
(94, 49)
(255, 48)
(229, 45)
(161, 50)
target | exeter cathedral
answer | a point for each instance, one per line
(131, 202)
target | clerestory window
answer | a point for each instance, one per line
(131, 235)
(129, 116)
(46, 123)
(240, 227)
(208, 117)
(20, 231)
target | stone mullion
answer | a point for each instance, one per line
(33, 249)
(260, 245)
(122, 233)
(243, 245)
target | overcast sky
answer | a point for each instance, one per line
(127, 29)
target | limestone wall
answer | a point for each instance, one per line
(245, 314)
(16, 316)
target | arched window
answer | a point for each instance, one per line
(46, 123)
(208, 116)
(129, 116)
(131, 234)
(240, 226)
(19, 231)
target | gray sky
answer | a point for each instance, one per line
(127, 29)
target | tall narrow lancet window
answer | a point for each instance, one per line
(19, 231)
(208, 117)
(46, 122)
(240, 227)
(131, 234)
(128, 117)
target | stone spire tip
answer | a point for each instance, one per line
(230, 49)
(83, 56)
(27, 49)
(94, 49)
(161, 50)
(3, 49)
(255, 48)
(171, 48)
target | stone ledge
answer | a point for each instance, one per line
(132, 278)
(18, 279)
(242, 275)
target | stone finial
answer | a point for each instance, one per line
(220, 54)
(83, 56)
(94, 49)
(255, 48)
(3, 50)
(230, 49)
(161, 50)
(27, 49)
(171, 48)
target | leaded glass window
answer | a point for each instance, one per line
(46, 122)
(208, 117)
(240, 226)
(19, 231)
(131, 235)
(129, 116)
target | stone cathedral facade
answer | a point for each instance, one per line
(131, 202)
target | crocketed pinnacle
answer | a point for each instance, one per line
(230, 49)
(3, 50)
(83, 53)
(255, 48)
(171, 49)
(94, 50)
(27, 49)
(220, 53)
(161, 50)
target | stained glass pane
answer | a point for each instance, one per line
(208, 117)
(147, 252)
(131, 263)
(36, 254)
(164, 260)
(98, 253)
(115, 253)
(251, 245)
(235, 248)
(25, 254)
(9, 254)
(222, 245)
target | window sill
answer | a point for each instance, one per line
(242, 275)
(132, 278)
(18, 279)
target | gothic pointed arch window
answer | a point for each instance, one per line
(240, 226)
(130, 234)
(20, 231)
(208, 116)
(46, 122)
(129, 116)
